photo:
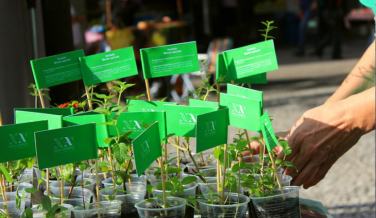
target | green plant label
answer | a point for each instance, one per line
(147, 106)
(245, 93)
(147, 148)
(211, 130)
(17, 140)
(201, 103)
(108, 66)
(243, 113)
(224, 76)
(86, 118)
(54, 121)
(252, 59)
(56, 111)
(182, 120)
(268, 132)
(169, 60)
(136, 121)
(66, 145)
(57, 69)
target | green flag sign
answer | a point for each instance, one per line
(108, 66)
(147, 148)
(169, 60)
(57, 69)
(201, 103)
(147, 106)
(223, 75)
(66, 145)
(56, 111)
(268, 132)
(54, 121)
(252, 59)
(86, 118)
(182, 120)
(243, 113)
(245, 93)
(17, 140)
(211, 129)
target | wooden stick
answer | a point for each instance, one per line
(218, 91)
(147, 89)
(165, 157)
(47, 170)
(61, 184)
(178, 153)
(3, 177)
(111, 168)
(41, 98)
(275, 172)
(249, 145)
(163, 185)
(96, 184)
(1, 120)
(224, 174)
(3, 191)
(218, 174)
(88, 98)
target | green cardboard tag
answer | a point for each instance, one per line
(201, 103)
(57, 69)
(252, 59)
(56, 111)
(54, 121)
(86, 118)
(224, 76)
(268, 132)
(243, 113)
(17, 140)
(211, 130)
(108, 66)
(147, 148)
(169, 60)
(245, 93)
(66, 145)
(147, 106)
(133, 121)
(182, 120)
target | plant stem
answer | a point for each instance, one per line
(224, 173)
(96, 184)
(112, 169)
(262, 167)
(61, 184)
(88, 98)
(83, 196)
(249, 146)
(193, 159)
(178, 154)
(163, 184)
(165, 157)
(275, 172)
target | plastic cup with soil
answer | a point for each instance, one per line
(154, 208)
(107, 209)
(41, 213)
(137, 193)
(278, 205)
(10, 204)
(78, 196)
(235, 206)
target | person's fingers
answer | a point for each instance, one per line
(255, 145)
(300, 161)
(305, 173)
(319, 174)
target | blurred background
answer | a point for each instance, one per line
(317, 44)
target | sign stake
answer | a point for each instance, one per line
(96, 184)
(88, 98)
(275, 172)
(224, 174)
(177, 139)
(163, 184)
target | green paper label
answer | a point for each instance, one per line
(147, 106)
(169, 60)
(56, 111)
(108, 66)
(211, 130)
(147, 148)
(252, 59)
(224, 76)
(86, 118)
(201, 103)
(243, 113)
(134, 121)
(57, 69)
(17, 140)
(182, 120)
(66, 145)
(54, 121)
(245, 93)
(268, 132)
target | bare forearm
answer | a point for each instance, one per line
(361, 78)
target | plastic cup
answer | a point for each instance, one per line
(189, 189)
(154, 209)
(211, 185)
(41, 214)
(75, 198)
(235, 206)
(107, 209)
(142, 179)
(11, 208)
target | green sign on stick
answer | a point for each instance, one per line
(54, 121)
(147, 106)
(268, 132)
(245, 93)
(224, 76)
(252, 59)
(201, 103)
(211, 129)
(169, 60)
(56, 111)
(108, 66)
(147, 148)
(182, 120)
(86, 118)
(243, 113)
(57, 69)
(66, 145)
(17, 140)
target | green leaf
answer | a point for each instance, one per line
(31, 190)
(278, 161)
(28, 213)
(168, 186)
(108, 140)
(123, 175)
(150, 200)
(120, 152)
(289, 164)
(217, 152)
(150, 189)
(103, 111)
(6, 174)
(188, 180)
(111, 123)
(46, 203)
(172, 170)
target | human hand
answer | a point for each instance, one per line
(318, 139)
